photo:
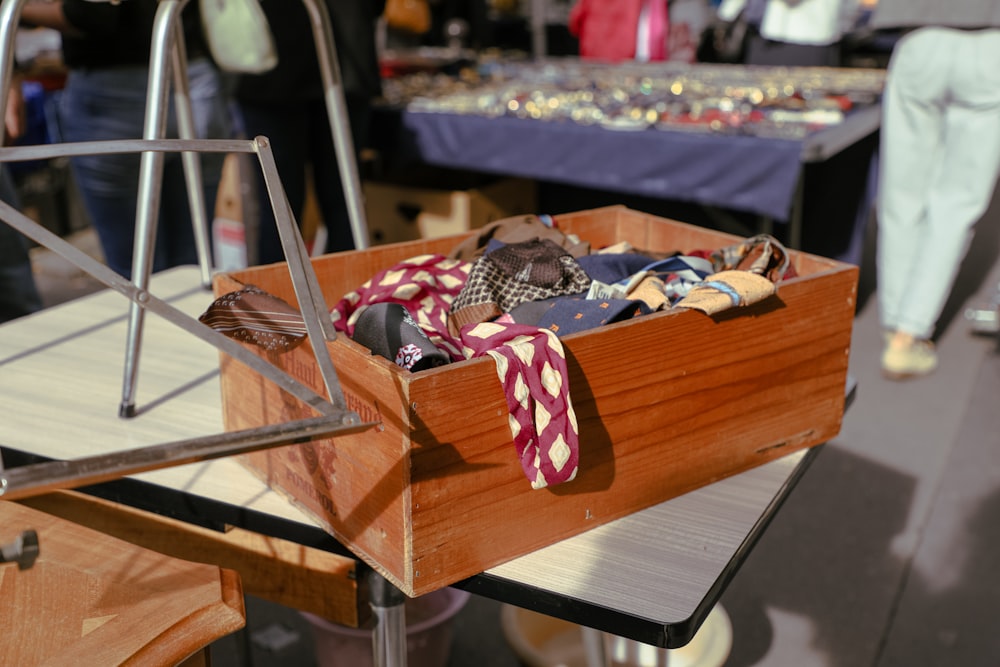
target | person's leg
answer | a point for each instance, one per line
(285, 126)
(326, 171)
(111, 104)
(18, 292)
(175, 239)
(175, 245)
(97, 106)
(966, 174)
(910, 155)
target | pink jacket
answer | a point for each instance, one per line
(605, 28)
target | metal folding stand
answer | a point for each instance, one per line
(334, 415)
(167, 52)
(168, 60)
(167, 40)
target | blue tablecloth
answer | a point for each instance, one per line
(747, 173)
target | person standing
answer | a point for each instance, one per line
(804, 33)
(106, 47)
(940, 158)
(640, 30)
(286, 105)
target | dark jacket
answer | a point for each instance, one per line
(117, 34)
(297, 74)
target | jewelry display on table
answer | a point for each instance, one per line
(780, 102)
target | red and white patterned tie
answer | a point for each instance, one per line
(531, 365)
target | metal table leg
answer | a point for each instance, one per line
(388, 608)
(593, 647)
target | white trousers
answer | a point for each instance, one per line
(940, 156)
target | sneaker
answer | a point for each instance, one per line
(915, 359)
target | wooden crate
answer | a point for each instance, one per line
(666, 403)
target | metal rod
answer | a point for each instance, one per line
(593, 647)
(389, 610)
(150, 183)
(187, 129)
(10, 18)
(112, 146)
(38, 478)
(315, 312)
(539, 21)
(336, 110)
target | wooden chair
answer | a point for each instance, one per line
(91, 599)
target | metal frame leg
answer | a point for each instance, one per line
(187, 129)
(167, 56)
(10, 17)
(336, 109)
(168, 39)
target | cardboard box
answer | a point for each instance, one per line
(665, 403)
(399, 213)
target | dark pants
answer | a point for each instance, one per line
(299, 134)
(761, 51)
(18, 294)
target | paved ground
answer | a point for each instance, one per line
(885, 554)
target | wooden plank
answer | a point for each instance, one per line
(296, 576)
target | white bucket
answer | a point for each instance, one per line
(428, 633)
(543, 641)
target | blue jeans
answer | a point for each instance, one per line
(107, 104)
(18, 294)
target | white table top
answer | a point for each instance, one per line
(652, 576)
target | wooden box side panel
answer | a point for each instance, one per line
(612, 224)
(665, 404)
(340, 273)
(355, 486)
